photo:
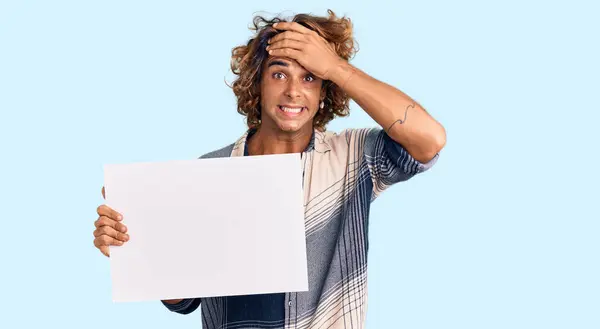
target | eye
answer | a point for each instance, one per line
(278, 75)
(310, 78)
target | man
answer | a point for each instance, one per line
(293, 78)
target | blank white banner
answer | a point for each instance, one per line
(208, 227)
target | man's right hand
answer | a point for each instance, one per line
(110, 231)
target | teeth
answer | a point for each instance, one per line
(291, 109)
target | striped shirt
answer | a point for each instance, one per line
(343, 174)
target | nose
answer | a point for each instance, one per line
(292, 89)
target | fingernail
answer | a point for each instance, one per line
(267, 48)
(275, 25)
(123, 229)
(126, 237)
(119, 217)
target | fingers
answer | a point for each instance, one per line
(287, 52)
(105, 250)
(105, 241)
(288, 35)
(111, 232)
(105, 221)
(105, 210)
(286, 43)
(292, 26)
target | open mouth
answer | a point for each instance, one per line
(291, 110)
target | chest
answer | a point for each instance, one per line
(327, 180)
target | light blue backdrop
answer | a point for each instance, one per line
(502, 233)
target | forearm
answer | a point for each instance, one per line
(172, 301)
(182, 306)
(405, 121)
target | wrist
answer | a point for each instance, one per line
(172, 301)
(342, 72)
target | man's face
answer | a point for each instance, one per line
(290, 95)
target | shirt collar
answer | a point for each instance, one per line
(317, 143)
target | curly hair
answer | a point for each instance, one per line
(247, 63)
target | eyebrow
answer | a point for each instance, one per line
(277, 62)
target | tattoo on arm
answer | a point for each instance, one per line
(401, 120)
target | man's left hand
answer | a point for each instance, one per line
(305, 46)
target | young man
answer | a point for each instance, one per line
(293, 78)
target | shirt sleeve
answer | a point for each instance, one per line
(388, 161)
(186, 306)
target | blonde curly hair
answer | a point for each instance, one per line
(247, 64)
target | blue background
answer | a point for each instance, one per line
(501, 233)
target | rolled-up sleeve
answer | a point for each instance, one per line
(186, 306)
(388, 161)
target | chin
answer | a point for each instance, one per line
(290, 127)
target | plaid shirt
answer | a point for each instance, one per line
(343, 174)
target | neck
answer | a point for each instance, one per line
(268, 141)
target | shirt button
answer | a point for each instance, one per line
(290, 303)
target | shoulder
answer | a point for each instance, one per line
(223, 152)
(347, 137)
